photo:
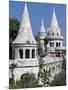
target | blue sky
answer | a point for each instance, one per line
(39, 11)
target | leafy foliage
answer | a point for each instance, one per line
(13, 28)
(64, 64)
(27, 81)
(11, 83)
(59, 80)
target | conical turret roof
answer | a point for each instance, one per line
(25, 31)
(54, 30)
(54, 22)
(42, 28)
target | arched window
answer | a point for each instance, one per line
(57, 44)
(33, 53)
(52, 34)
(51, 44)
(21, 53)
(27, 53)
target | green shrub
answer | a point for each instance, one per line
(59, 80)
(27, 81)
(11, 83)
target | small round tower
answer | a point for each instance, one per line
(42, 35)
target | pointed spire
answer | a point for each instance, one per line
(42, 28)
(42, 23)
(25, 8)
(54, 23)
(54, 14)
(25, 23)
(25, 31)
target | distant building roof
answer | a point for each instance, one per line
(42, 28)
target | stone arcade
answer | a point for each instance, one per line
(24, 48)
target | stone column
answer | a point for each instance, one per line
(54, 44)
(30, 53)
(24, 53)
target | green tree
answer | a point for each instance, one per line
(46, 75)
(11, 83)
(64, 63)
(59, 80)
(13, 28)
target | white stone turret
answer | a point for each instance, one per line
(42, 35)
(24, 48)
(55, 39)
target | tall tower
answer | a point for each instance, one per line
(42, 35)
(55, 39)
(24, 48)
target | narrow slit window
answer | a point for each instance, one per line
(21, 53)
(33, 53)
